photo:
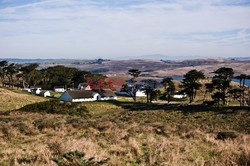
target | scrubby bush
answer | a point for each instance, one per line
(57, 107)
(76, 158)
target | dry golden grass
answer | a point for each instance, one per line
(122, 133)
(10, 100)
(124, 138)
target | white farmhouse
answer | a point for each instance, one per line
(59, 89)
(35, 87)
(105, 95)
(45, 93)
(36, 91)
(139, 93)
(26, 90)
(179, 95)
(79, 96)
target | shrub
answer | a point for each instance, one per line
(56, 107)
(76, 158)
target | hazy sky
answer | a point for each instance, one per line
(123, 28)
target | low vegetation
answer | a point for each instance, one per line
(57, 107)
(10, 100)
(130, 131)
(124, 133)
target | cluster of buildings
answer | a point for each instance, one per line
(82, 94)
(38, 91)
(85, 93)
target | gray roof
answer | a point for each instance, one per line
(106, 93)
(59, 87)
(83, 84)
(81, 94)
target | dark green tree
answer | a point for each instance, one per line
(150, 88)
(60, 76)
(11, 71)
(29, 73)
(221, 83)
(134, 73)
(242, 78)
(80, 77)
(209, 89)
(169, 88)
(191, 83)
(133, 86)
(3, 65)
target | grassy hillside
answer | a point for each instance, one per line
(124, 133)
(14, 99)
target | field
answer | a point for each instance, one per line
(14, 99)
(121, 133)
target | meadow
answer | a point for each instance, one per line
(120, 133)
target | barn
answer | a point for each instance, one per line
(59, 89)
(79, 96)
(105, 95)
(45, 93)
(84, 86)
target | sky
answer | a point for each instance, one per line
(112, 29)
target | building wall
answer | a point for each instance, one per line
(140, 94)
(83, 100)
(38, 91)
(107, 98)
(46, 94)
(179, 96)
(59, 90)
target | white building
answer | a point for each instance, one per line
(179, 95)
(79, 96)
(35, 87)
(106, 95)
(88, 95)
(139, 93)
(36, 91)
(27, 90)
(45, 94)
(84, 86)
(59, 89)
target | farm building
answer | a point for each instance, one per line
(84, 86)
(45, 93)
(139, 93)
(105, 95)
(36, 91)
(59, 89)
(79, 96)
(26, 90)
(35, 87)
(88, 95)
(179, 95)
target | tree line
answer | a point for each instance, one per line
(27, 75)
(17, 75)
(219, 87)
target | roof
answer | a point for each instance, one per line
(35, 87)
(106, 93)
(81, 94)
(33, 90)
(83, 84)
(58, 87)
